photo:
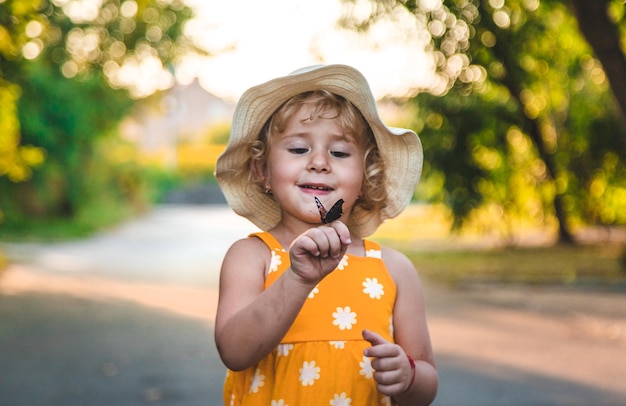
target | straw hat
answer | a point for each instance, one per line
(400, 149)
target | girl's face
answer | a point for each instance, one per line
(313, 158)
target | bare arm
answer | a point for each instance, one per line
(393, 370)
(251, 320)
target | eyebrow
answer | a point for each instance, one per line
(335, 137)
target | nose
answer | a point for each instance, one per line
(319, 162)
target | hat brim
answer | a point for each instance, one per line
(401, 149)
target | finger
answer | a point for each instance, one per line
(343, 232)
(388, 378)
(390, 382)
(335, 248)
(382, 364)
(306, 245)
(328, 241)
(390, 390)
(373, 338)
(380, 346)
(321, 239)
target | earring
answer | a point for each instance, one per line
(268, 191)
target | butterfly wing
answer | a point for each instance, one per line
(321, 209)
(335, 212)
(331, 215)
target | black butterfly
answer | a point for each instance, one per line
(331, 215)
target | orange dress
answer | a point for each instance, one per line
(320, 360)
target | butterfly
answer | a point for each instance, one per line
(328, 216)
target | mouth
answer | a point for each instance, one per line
(316, 188)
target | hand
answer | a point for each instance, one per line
(318, 251)
(392, 368)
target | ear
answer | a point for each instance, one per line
(260, 173)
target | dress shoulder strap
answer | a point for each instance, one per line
(372, 249)
(268, 239)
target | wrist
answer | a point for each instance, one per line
(297, 280)
(412, 364)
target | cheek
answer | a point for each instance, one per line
(355, 178)
(279, 171)
(272, 167)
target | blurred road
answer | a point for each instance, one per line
(125, 318)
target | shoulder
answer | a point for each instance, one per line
(397, 262)
(250, 250)
(251, 243)
(402, 271)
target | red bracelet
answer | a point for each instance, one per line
(412, 372)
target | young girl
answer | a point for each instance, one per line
(309, 312)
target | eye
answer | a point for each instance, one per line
(339, 154)
(298, 151)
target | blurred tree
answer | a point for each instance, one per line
(523, 98)
(603, 24)
(69, 71)
(64, 117)
(16, 160)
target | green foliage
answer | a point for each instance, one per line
(526, 125)
(16, 161)
(464, 148)
(67, 127)
(162, 182)
(63, 89)
(109, 197)
(93, 216)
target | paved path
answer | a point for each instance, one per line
(125, 318)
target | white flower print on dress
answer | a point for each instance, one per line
(314, 292)
(309, 373)
(275, 262)
(372, 288)
(374, 253)
(282, 350)
(340, 345)
(341, 400)
(366, 368)
(386, 401)
(258, 380)
(343, 263)
(280, 402)
(344, 318)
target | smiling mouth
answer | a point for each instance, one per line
(316, 187)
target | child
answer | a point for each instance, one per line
(310, 313)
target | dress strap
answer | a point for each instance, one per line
(372, 249)
(269, 240)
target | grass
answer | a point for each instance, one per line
(96, 217)
(422, 233)
(557, 265)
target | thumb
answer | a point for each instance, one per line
(373, 338)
